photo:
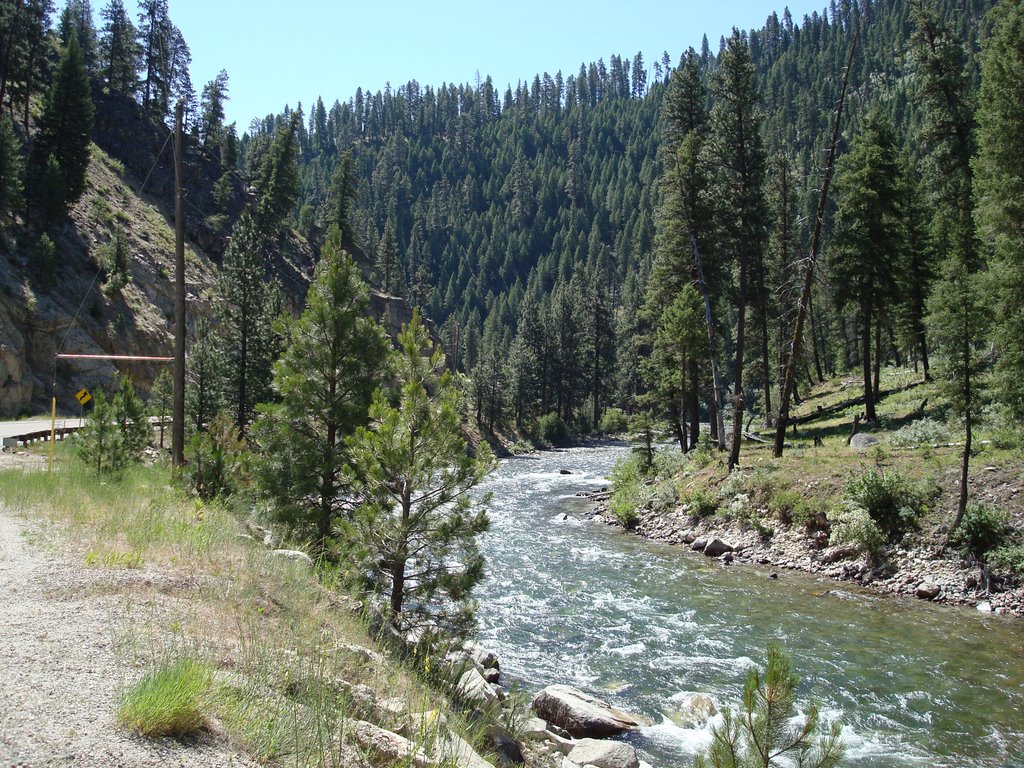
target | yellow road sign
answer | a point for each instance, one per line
(83, 396)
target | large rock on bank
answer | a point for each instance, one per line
(604, 754)
(581, 714)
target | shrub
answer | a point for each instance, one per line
(920, 432)
(1009, 558)
(642, 437)
(614, 421)
(552, 429)
(627, 490)
(982, 529)
(703, 503)
(890, 499)
(783, 503)
(704, 454)
(169, 701)
(215, 460)
(852, 524)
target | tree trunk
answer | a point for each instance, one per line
(766, 366)
(716, 405)
(924, 354)
(865, 337)
(741, 327)
(694, 404)
(813, 319)
(877, 371)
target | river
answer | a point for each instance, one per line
(642, 625)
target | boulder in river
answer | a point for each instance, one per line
(927, 590)
(698, 544)
(604, 754)
(581, 714)
(694, 711)
(716, 547)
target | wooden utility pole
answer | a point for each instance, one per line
(178, 408)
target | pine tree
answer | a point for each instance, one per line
(960, 310)
(678, 343)
(740, 164)
(99, 443)
(247, 341)
(999, 190)
(160, 403)
(417, 523)
(334, 358)
(120, 53)
(155, 35)
(65, 127)
(211, 109)
(132, 419)
(278, 182)
(203, 389)
(77, 17)
(870, 237)
(343, 195)
(11, 168)
(763, 730)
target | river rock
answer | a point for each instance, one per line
(985, 607)
(843, 552)
(504, 748)
(604, 754)
(716, 547)
(482, 657)
(476, 691)
(863, 440)
(534, 728)
(364, 655)
(386, 746)
(698, 544)
(695, 711)
(295, 556)
(564, 472)
(581, 714)
(927, 590)
(457, 751)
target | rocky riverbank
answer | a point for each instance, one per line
(917, 572)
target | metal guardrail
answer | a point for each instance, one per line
(28, 438)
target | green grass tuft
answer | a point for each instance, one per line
(169, 701)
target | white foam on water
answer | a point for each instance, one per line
(628, 650)
(688, 740)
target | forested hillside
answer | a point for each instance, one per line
(525, 222)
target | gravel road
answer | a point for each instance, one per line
(59, 674)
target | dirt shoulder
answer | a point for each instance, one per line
(60, 672)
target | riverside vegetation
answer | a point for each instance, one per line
(876, 512)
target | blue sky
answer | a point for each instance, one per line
(279, 53)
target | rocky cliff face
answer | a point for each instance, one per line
(68, 305)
